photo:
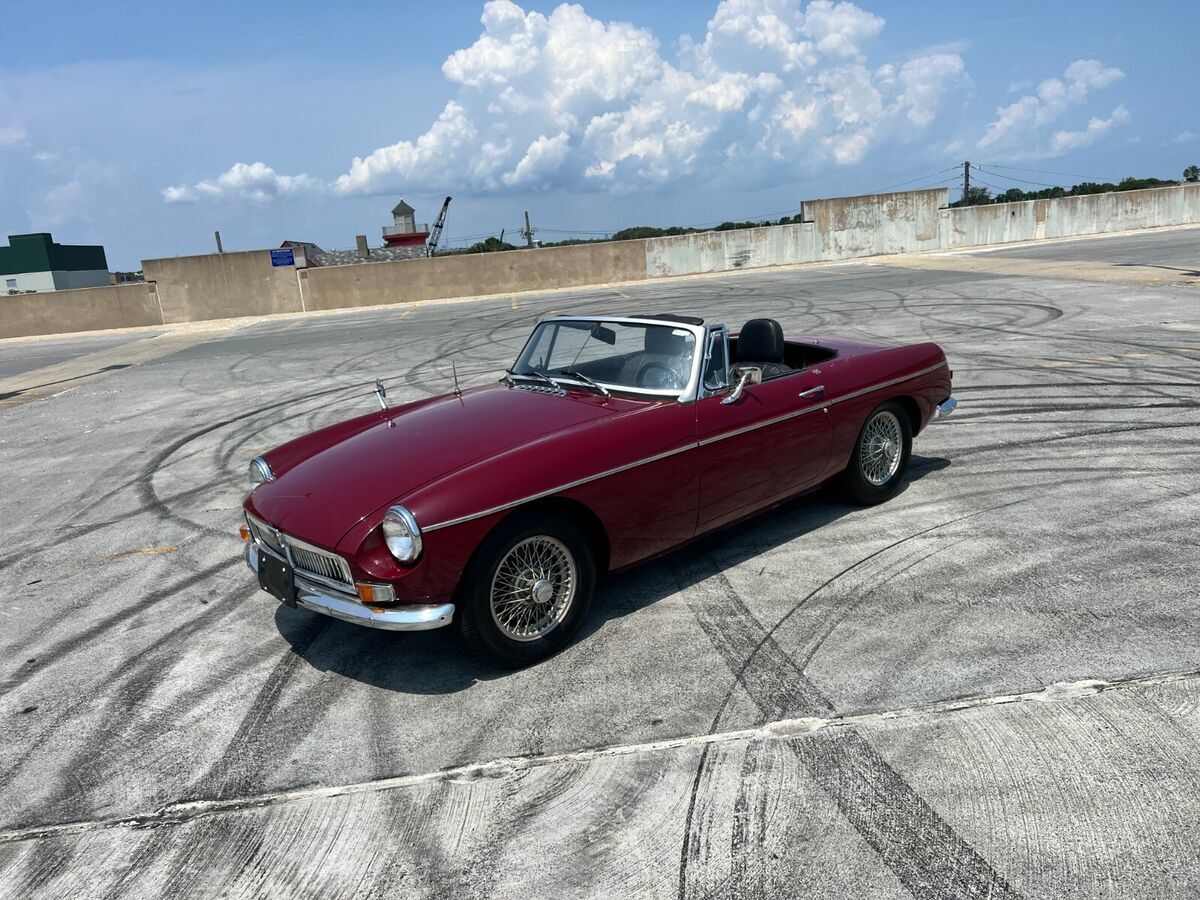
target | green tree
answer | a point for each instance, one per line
(976, 196)
(491, 245)
(1191, 173)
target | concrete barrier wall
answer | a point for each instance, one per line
(470, 275)
(1033, 220)
(873, 224)
(85, 309)
(223, 285)
(193, 288)
(722, 251)
(840, 228)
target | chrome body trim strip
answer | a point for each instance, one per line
(716, 438)
(348, 608)
(885, 384)
(712, 440)
(558, 490)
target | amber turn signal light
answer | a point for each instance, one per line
(375, 593)
(244, 532)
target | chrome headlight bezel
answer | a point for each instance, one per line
(402, 535)
(260, 471)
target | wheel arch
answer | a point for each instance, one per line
(911, 408)
(577, 513)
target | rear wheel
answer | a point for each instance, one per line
(880, 455)
(527, 591)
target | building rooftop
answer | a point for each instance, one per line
(39, 253)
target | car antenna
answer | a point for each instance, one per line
(457, 389)
(381, 394)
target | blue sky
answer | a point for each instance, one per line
(145, 126)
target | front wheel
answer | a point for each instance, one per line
(880, 455)
(527, 591)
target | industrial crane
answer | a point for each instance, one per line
(436, 234)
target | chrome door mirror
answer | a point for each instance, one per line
(746, 376)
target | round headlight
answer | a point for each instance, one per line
(260, 471)
(401, 534)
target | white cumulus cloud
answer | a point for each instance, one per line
(1019, 126)
(256, 182)
(12, 135)
(565, 100)
(1062, 141)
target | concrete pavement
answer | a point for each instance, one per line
(987, 686)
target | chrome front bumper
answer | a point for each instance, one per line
(319, 599)
(944, 408)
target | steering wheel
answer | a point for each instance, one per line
(658, 375)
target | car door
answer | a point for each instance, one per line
(770, 443)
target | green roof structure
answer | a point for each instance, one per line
(39, 253)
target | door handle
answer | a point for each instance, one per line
(817, 391)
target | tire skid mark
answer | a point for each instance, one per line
(233, 771)
(134, 678)
(99, 630)
(930, 829)
(786, 731)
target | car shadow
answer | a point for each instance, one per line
(437, 662)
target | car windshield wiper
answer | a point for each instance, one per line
(534, 373)
(572, 373)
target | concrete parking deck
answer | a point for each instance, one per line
(986, 687)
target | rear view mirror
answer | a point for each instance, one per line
(604, 333)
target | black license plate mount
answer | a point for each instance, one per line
(277, 578)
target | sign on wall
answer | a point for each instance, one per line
(283, 257)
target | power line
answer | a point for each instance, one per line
(1018, 180)
(1042, 172)
(986, 184)
(915, 180)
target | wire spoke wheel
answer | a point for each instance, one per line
(533, 588)
(881, 448)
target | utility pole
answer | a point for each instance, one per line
(528, 232)
(966, 182)
(502, 235)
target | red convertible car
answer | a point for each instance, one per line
(611, 440)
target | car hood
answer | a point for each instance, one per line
(324, 495)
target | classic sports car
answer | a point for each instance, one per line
(611, 440)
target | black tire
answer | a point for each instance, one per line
(870, 462)
(533, 533)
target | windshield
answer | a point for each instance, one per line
(629, 356)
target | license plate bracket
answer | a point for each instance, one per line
(277, 578)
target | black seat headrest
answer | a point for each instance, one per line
(664, 341)
(761, 340)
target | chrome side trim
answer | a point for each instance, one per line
(764, 424)
(338, 605)
(712, 440)
(885, 384)
(565, 487)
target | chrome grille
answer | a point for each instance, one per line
(264, 534)
(313, 560)
(307, 559)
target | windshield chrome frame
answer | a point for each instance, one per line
(714, 331)
(690, 390)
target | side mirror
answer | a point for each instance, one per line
(745, 375)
